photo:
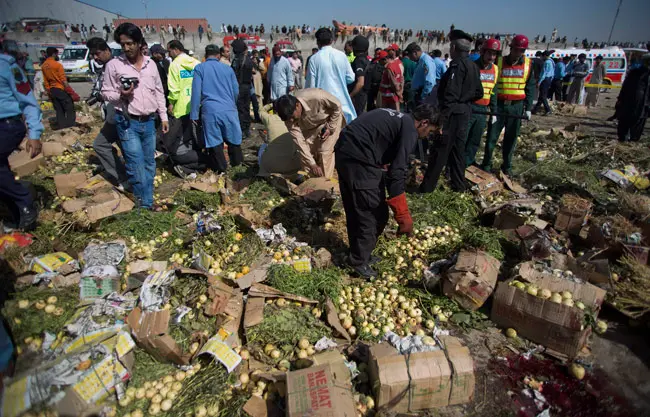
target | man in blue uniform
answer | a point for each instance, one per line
(16, 101)
(424, 77)
(215, 91)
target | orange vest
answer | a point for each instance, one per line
(488, 80)
(512, 82)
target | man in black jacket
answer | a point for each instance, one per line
(372, 158)
(357, 90)
(158, 55)
(633, 104)
(459, 87)
(243, 67)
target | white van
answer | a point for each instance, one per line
(76, 60)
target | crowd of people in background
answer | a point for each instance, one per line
(162, 98)
(341, 32)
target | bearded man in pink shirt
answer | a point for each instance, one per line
(132, 84)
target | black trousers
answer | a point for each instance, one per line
(12, 192)
(372, 98)
(364, 200)
(217, 160)
(556, 90)
(256, 107)
(64, 107)
(565, 88)
(630, 129)
(542, 99)
(244, 108)
(193, 161)
(449, 150)
(359, 102)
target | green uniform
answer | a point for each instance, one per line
(512, 125)
(476, 127)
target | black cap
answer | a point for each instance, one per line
(412, 47)
(548, 52)
(360, 44)
(238, 46)
(157, 49)
(460, 34)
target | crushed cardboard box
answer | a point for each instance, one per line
(94, 185)
(471, 281)
(66, 184)
(53, 149)
(208, 183)
(423, 380)
(319, 188)
(257, 294)
(22, 164)
(483, 182)
(571, 217)
(150, 332)
(99, 206)
(558, 327)
(282, 184)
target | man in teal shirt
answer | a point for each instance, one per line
(409, 69)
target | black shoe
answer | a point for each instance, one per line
(374, 260)
(28, 219)
(365, 271)
(180, 171)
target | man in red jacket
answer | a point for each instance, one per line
(392, 81)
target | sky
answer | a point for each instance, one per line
(574, 18)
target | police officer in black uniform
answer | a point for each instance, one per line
(243, 67)
(371, 158)
(459, 87)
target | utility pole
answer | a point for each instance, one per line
(614, 22)
(146, 13)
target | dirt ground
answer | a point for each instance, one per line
(618, 362)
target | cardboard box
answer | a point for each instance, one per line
(257, 294)
(337, 361)
(150, 332)
(53, 149)
(508, 219)
(21, 163)
(573, 215)
(471, 281)
(67, 137)
(483, 182)
(100, 206)
(66, 184)
(94, 185)
(423, 380)
(462, 368)
(319, 188)
(318, 392)
(557, 326)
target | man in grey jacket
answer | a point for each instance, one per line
(103, 145)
